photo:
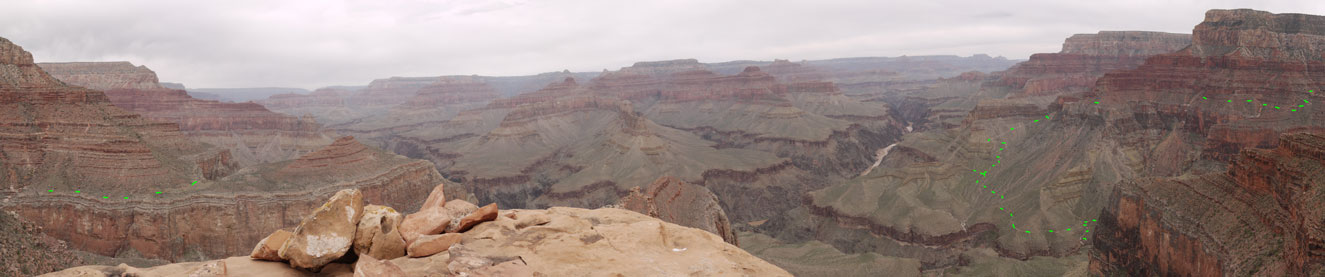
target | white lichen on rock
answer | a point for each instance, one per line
(318, 246)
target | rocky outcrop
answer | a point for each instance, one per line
(681, 203)
(524, 243)
(326, 234)
(252, 133)
(1086, 57)
(1259, 218)
(103, 75)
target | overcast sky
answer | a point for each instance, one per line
(311, 44)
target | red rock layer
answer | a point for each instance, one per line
(243, 127)
(344, 154)
(1235, 55)
(1261, 217)
(55, 136)
(1086, 57)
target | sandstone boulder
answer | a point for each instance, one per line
(269, 248)
(427, 245)
(436, 198)
(424, 222)
(327, 234)
(459, 208)
(484, 214)
(379, 233)
(367, 266)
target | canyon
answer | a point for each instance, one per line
(252, 133)
(1124, 153)
(67, 150)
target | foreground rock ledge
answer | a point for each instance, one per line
(554, 242)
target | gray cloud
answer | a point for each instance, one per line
(311, 44)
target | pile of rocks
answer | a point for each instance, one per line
(345, 228)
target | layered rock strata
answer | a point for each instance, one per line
(228, 216)
(1086, 57)
(59, 137)
(252, 133)
(1258, 218)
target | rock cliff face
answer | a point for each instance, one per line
(54, 136)
(1238, 86)
(1086, 57)
(103, 75)
(1259, 218)
(682, 203)
(226, 217)
(252, 133)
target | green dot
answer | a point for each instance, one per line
(1000, 208)
(1097, 102)
(984, 187)
(993, 165)
(1248, 100)
(1276, 107)
(1051, 231)
(126, 197)
(158, 192)
(1012, 128)
(1263, 104)
(1000, 197)
(1092, 220)
(1047, 117)
(1005, 142)
(1028, 232)
(1294, 110)
(1301, 106)
(976, 181)
(1083, 238)
(998, 157)
(1087, 231)
(105, 197)
(991, 191)
(1083, 225)
(50, 190)
(1069, 229)
(1000, 149)
(1230, 100)
(1203, 97)
(77, 191)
